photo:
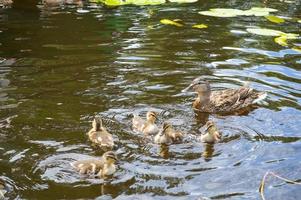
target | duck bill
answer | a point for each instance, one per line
(188, 88)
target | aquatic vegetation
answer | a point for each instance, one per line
(281, 39)
(275, 19)
(230, 12)
(200, 26)
(138, 2)
(170, 22)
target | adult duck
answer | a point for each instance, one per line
(222, 101)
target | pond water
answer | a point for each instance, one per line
(60, 66)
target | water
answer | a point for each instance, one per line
(60, 67)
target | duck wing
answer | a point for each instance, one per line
(105, 139)
(230, 99)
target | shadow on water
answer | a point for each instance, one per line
(60, 66)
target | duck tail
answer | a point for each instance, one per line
(261, 97)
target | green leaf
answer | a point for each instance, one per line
(275, 19)
(170, 22)
(183, 1)
(281, 41)
(265, 32)
(258, 9)
(200, 26)
(221, 12)
(229, 12)
(299, 21)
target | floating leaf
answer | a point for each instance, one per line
(265, 32)
(183, 1)
(229, 12)
(275, 19)
(170, 22)
(290, 35)
(281, 41)
(221, 12)
(258, 9)
(299, 21)
(200, 26)
(126, 2)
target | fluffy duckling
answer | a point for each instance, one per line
(222, 101)
(99, 135)
(211, 134)
(104, 166)
(148, 126)
(168, 135)
(2, 189)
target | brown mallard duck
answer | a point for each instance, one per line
(104, 166)
(99, 135)
(168, 135)
(148, 126)
(211, 133)
(222, 101)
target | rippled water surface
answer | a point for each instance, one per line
(59, 68)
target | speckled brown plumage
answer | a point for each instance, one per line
(222, 101)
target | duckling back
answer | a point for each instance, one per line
(101, 138)
(138, 123)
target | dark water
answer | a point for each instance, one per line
(59, 68)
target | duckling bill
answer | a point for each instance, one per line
(228, 100)
(211, 134)
(99, 135)
(102, 167)
(168, 135)
(148, 126)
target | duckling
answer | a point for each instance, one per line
(168, 135)
(221, 101)
(2, 189)
(147, 127)
(104, 166)
(99, 135)
(211, 134)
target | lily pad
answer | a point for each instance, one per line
(265, 32)
(229, 12)
(200, 26)
(274, 19)
(222, 12)
(281, 41)
(170, 22)
(258, 9)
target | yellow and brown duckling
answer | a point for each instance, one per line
(102, 167)
(222, 101)
(2, 189)
(167, 135)
(148, 126)
(99, 135)
(211, 133)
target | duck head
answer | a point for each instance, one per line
(110, 157)
(199, 85)
(151, 116)
(211, 129)
(97, 124)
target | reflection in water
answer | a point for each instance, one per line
(208, 151)
(164, 151)
(59, 67)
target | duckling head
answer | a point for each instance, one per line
(151, 116)
(97, 124)
(199, 85)
(164, 128)
(110, 157)
(212, 130)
